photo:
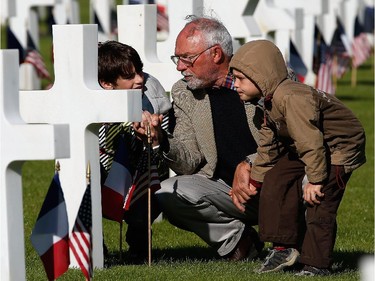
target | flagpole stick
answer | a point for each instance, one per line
(354, 76)
(335, 66)
(120, 241)
(148, 132)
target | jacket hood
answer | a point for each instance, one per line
(262, 62)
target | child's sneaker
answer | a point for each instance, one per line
(276, 260)
(309, 270)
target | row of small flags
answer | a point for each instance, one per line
(51, 238)
(331, 61)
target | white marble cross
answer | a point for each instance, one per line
(77, 99)
(176, 20)
(19, 142)
(137, 28)
(102, 9)
(26, 20)
(273, 19)
(237, 16)
(303, 38)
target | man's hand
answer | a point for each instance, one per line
(312, 193)
(152, 120)
(242, 190)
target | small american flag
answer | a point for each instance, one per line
(141, 180)
(162, 19)
(33, 57)
(323, 64)
(361, 46)
(80, 242)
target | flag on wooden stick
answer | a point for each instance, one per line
(80, 241)
(117, 184)
(50, 236)
(143, 178)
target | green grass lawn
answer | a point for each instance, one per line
(180, 255)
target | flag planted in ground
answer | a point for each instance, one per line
(144, 178)
(50, 235)
(117, 184)
(361, 46)
(322, 63)
(340, 50)
(296, 63)
(80, 241)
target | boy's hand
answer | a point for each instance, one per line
(312, 193)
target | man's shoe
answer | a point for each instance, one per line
(276, 260)
(249, 246)
(309, 270)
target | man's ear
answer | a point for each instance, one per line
(218, 54)
(106, 85)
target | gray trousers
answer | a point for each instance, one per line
(203, 206)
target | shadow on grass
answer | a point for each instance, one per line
(344, 260)
(183, 254)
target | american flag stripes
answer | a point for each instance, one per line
(80, 241)
(340, 50)
(324, 61)
(162, 19)
(50, 236)
(361, 47)
(28, 54)
(143, 179)
(33, 57)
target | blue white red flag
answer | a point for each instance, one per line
(50, 235)
(296, 63)
(117, 184)
(340, 50)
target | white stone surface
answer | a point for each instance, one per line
(19, 142)
(137, 28)
(77, 99)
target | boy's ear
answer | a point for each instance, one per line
(106, 85)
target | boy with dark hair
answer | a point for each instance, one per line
(120, 67)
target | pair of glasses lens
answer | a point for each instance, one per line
(189, 60)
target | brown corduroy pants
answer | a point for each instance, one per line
(285, 219)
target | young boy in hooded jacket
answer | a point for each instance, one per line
(310, 144)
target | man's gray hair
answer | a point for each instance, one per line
(213, 31)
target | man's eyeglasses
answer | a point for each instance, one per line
(189, 60)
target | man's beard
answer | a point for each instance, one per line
(195, 83)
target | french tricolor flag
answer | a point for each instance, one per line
(50, 236)
(117, 184)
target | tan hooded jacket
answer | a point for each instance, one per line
(314, 124)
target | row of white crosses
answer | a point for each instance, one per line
(22, 19)
(77, 100)
(254, 20)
